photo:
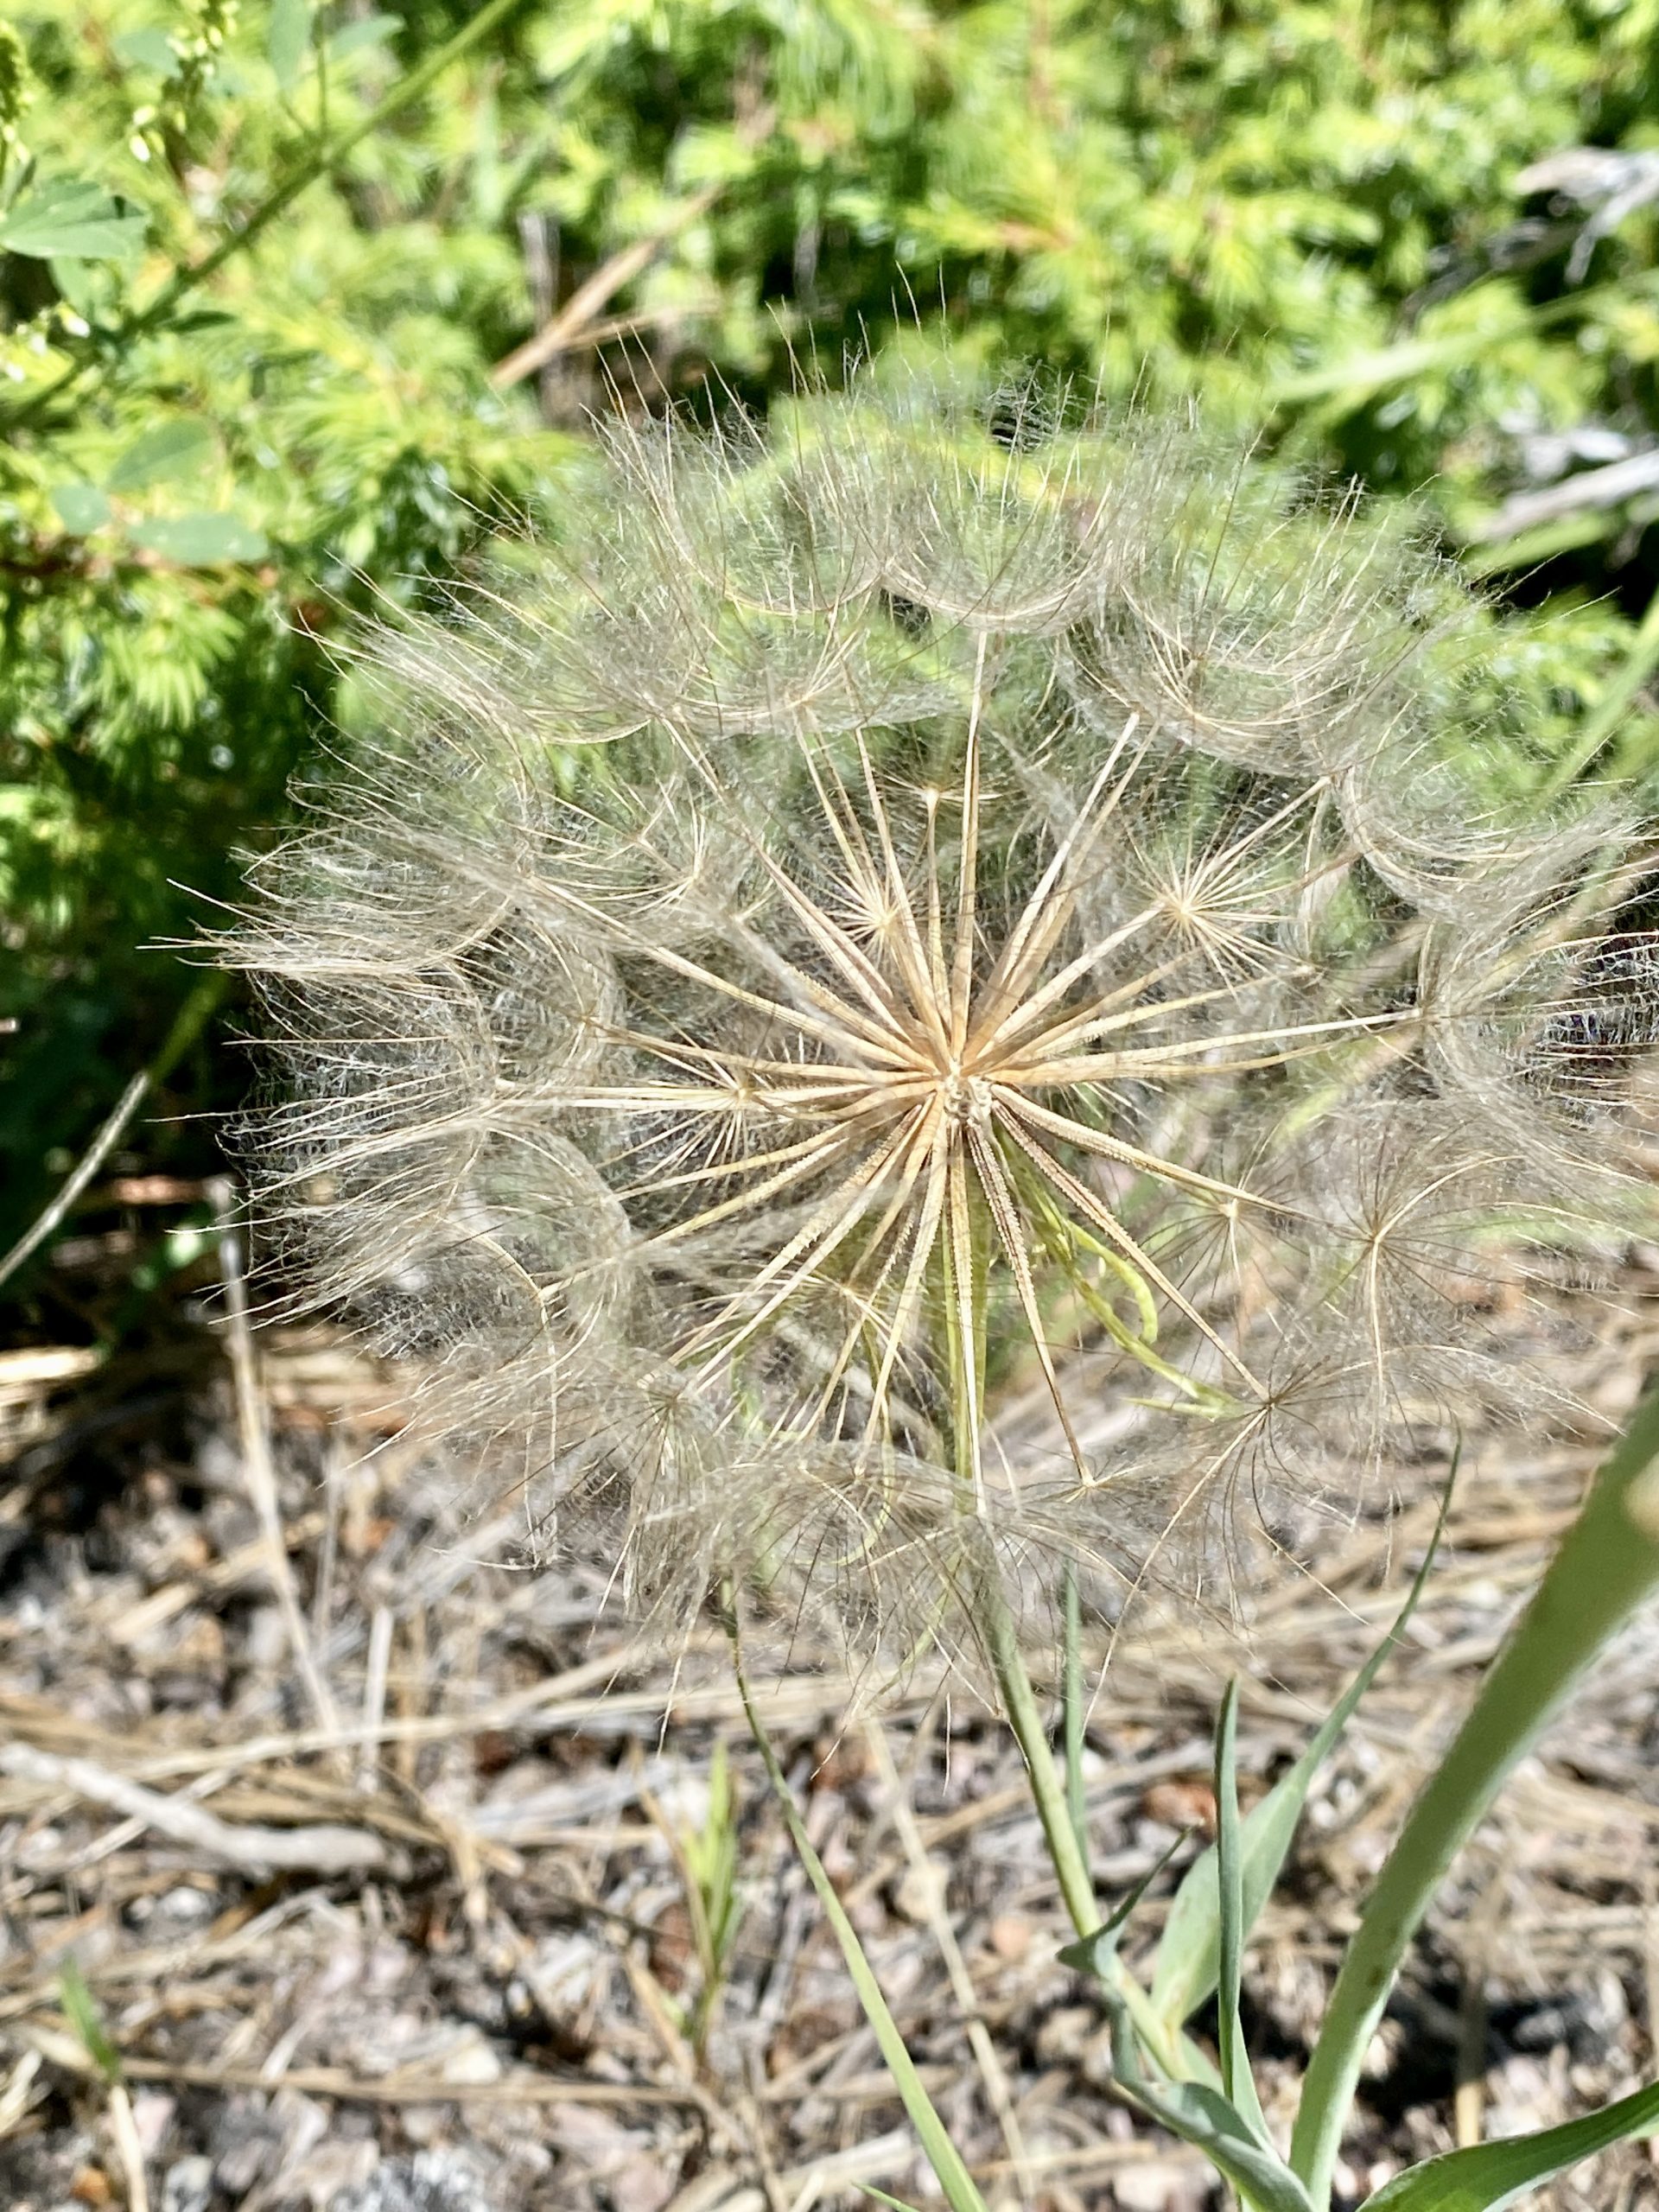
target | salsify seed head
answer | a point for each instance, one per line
(938, 985)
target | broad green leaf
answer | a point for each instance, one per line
(287, 39)
(201, 541)
(147, 47)
(171, 450)
(1489, 2175)
(1189, 1953)
(369, 30)
(1206, 2121)
(79, 221)
(80, 507)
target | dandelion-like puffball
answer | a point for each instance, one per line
(933, 987)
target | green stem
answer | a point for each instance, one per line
(190, 276)
(1019, 1705)
(1074, 1714)
(1065, 1849)
(1059, 1806)
(1608, 1562)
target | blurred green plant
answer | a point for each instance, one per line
(707, 1856)
(297, 298)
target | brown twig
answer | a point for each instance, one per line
(259, 1851)
(568, 326)
(260, 1473)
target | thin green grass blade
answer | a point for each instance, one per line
(1230, 1886)
(1076, 1712)
(954, 2178)
(869, 2188)
(80, 2010)
(1489, 2175)
(1188, 1964)
(1237, 2081)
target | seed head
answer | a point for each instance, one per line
(932, 985)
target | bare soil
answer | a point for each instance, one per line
(367, 1844)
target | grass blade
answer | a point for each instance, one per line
(1188, 1965)
(1076, 1712)
(954, 2178)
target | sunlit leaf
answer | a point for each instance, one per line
(201, 541)
(79, 221)
(172, 449)
(288, 38)
(80, 507)
(1489, 2175)
(1189, 1954)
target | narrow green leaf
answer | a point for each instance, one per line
(1075, 1713)
(1230, 1934)
(201, 541)
(80, 2010)
(1237, 2081)
(869, 2188)
(942, 2154)
(79, 221)
(288, 40)
(1093, 1953)
(173, 448)
(1489, 2175)
(80, 507)
(1205, 2118)
(1188, 1963)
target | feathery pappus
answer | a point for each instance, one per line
(937, 982)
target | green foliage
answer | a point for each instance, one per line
(707, 1858)
(1308, 218)
(1607, 1564)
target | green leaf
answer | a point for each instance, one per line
(147, 47)
(79, 221)
(370, 30)
(80, 507)
(202, 541)
(1208, 2120)
(1188, 1964)
(953, 2176)
(80, 2010)
(288, 40)
(1075, 1711)
(1489, 2175)
(869, 2188)
(171, 450)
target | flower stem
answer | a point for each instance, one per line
(1019, 1705)
(1608, 1562)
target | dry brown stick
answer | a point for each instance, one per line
(798, 1701)
(607, 281)
(327, 1849)
(521, 2088)
(128, 2148)
(256, 1453)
